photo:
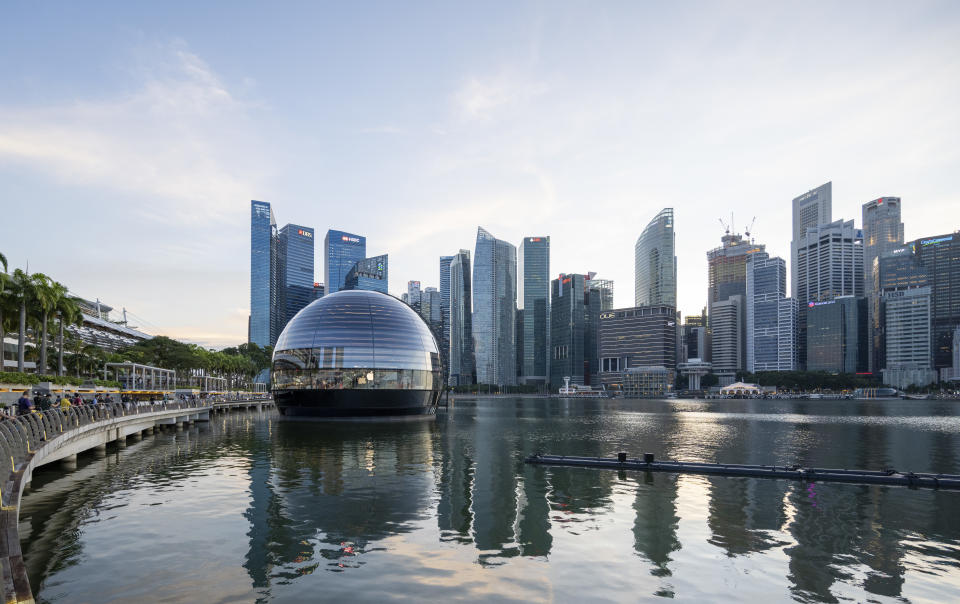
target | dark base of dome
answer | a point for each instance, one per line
(332, 404)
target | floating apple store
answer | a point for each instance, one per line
(356, 353)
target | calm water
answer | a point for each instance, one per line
(250, 508)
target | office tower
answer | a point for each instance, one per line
(533, 304)
(728, 335)
(882, 233)
(894, 271)
(908, 338)
(369, 274)
(836, 335)
(462, 369)
(655, 263)
(413, 294)
(694, 341)
(727, 277)
(430, 309)
(632, 338)
(341, 251)
(770, 315)
(445, 315)
(940, 260)
(813, 208)
(494, 310)
(605, 287)
(574, 330)
(318, 290)
(405, 298)
(829, 265)
(295, 246)
(263, 275)
(956, 353)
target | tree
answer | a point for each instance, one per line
(68, 311)
(4, 277)
(46, 293)
(23, 293)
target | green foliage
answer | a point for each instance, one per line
(709, 380)
(29, 379)
(810, 380)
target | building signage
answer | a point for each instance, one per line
(350, 239)
(304, 233)
(607, 315)
(534, 239)
(936, 240)
(812, 304)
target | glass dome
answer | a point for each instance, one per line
(356, 340)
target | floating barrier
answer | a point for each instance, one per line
(648, 464)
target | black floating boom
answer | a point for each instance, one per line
(647, 464)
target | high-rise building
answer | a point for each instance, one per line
(836, 335)
(727, 278)
(318, 290)
(574, 331)
(462, 368)
(882, 233)
(605, 287)
(445, 315)
(908, 346)
(813, 208)
(694, 342)
(430, 309)
(533, 303)
(369, 274)
(631, 338)
(413, 294)
(341, 251)
(264, 292)
(940, 260)
(296, 254)
(956, 353)
(771, 316)
(655, 263)
(728, 338)
(829, 265)
(494, 310)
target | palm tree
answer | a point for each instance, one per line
(3, 298)
(23, 293)
(45, 295)
(67, 310)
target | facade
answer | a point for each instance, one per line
(356, 353)
(445, 315)
(655, 263)
(371, 274)
(263, 275)
(829, 265)
(836, 338)
(295, 245)
(647, 382)
(318, 290)
(770, 316)
(728, 338)
(574, 321)
(813, 208)
(727, 279)
(642, 336)
(462, 370)
(341, 251)
(533, 303)
(605, 287)
(882, 233)
(908, 334)
(940, 260)
(494, 310)
(414, 294)
(430, 309)
(956, 353)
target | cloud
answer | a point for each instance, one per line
(481, 98)
(180, 139)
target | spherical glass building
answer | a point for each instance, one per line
(356, 353)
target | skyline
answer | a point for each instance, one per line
(130, 149)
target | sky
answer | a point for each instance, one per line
(134, 135)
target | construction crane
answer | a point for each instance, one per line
(726, 227)
(750, 228)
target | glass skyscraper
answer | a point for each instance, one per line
(462, 368)
(574, 331)
(295, 260)
(655, 263)
(263, 274)
(882, 233)
(835, 335)
(341, 251)
(727, 279)
(813, 208)
(533, 302)
(494, 310)
(369, 274)
(771, 316)
(445, 314)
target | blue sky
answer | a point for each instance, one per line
(133, 135)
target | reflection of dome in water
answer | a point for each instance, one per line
(356, 353)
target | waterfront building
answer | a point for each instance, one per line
(882, 233)
(956, 353)
(647, 382)
(295, 262)
(574, 320)
(813, 208)
(770, 316)
(908, 335)
(533, 306)
(836, 335)
(494, 310)
(694, 369)
(265, 317)
(462, 369)
(341, 252)
(829, 265)
(728, 335)
(370, 274)
(641, 336)
(445, 315)
(318, 290)
(655, 263)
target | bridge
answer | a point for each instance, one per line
(30, 441)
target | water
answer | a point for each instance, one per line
(250, 508)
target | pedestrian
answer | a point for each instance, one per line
(64, 403)
(45, 402)
(24, 405)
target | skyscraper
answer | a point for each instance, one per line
(727, 278)
(445, 315)
(369, 274)
(908, 346)
(413, 294)
(636, 337)
(296, 254)
(605, 287)
(533, 302)
(770, 315)
(341, 251)
(574, 331)
(728, 337)
(835, 335)
(813, 208)
(263, 274)
(655, 263)
(462, 369)
(882, 233)
(829, 265)
(494, 310)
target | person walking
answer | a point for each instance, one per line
(24, 404)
